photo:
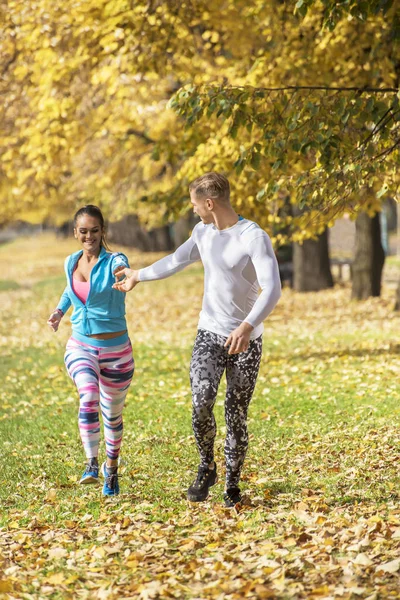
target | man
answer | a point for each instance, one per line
(238, 259)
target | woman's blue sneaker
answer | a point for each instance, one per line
(91, 472)
(111, 485)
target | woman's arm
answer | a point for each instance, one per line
(63, 305)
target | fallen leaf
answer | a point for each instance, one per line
(390, 567)
(57, 553)
(56, 579)
(6, 585)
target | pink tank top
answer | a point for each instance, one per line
(81, 289)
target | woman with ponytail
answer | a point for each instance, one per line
(98, 356)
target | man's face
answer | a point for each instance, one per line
(202, 209)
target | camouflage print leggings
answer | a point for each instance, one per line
(209, 360)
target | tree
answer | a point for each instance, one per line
(339, 138)
(369, 257)
(311, 265)
(319, 143)
(296, 108)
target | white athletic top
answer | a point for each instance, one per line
(237, 262)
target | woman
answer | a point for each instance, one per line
(98, 356)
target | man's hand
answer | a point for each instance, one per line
(54, 320)
(239, 339)
(127, 284)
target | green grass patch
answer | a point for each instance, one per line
(321, 475)
(6, 286)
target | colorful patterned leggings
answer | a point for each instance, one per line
(209, 360)
(102, 376)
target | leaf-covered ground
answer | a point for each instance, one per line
(322, 513)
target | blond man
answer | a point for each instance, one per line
(238, 260)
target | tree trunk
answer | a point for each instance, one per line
(369, 258)
(311, 267)
(129, 232)
(397, 304)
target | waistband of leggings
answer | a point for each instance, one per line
(90, 341)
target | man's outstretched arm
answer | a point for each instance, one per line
(183, 256)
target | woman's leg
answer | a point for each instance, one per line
(116, 372)
(83, 368)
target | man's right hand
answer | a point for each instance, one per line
(131, 279)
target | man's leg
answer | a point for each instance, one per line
(241, 375)
(206, 368)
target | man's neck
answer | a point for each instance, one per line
(225, 218)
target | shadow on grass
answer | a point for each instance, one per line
(52, 282)
(393, 350)
(8, 285)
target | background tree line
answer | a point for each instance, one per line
(123, 103)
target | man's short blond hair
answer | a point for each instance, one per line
(211, 185)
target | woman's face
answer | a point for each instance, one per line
(88, 232)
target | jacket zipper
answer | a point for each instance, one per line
(90, 288)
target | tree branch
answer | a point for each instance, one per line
(141, 135)
(361, 90)
(388, 151)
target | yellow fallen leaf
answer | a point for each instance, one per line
(51, 495)
(71, 579)
(188, 545)
(213, 545)
(112, 549)
(363, 560)
(390, 567)
(280, 582)
(375, 519)
(55, 579)
(126, 522)
(320, 591)
(57, 553)
(262, 480)
(70, 524)
(396, 534)
(329, 542)
(104, 593)
(6, 585)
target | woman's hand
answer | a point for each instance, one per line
(131, 279)
(54, 320)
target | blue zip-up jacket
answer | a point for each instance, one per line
(104, 311)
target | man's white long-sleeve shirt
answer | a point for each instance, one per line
(237, 262)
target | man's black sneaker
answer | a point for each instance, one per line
(206, 477)
(232, 497)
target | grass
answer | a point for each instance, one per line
(322, 463)
(8, 285)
